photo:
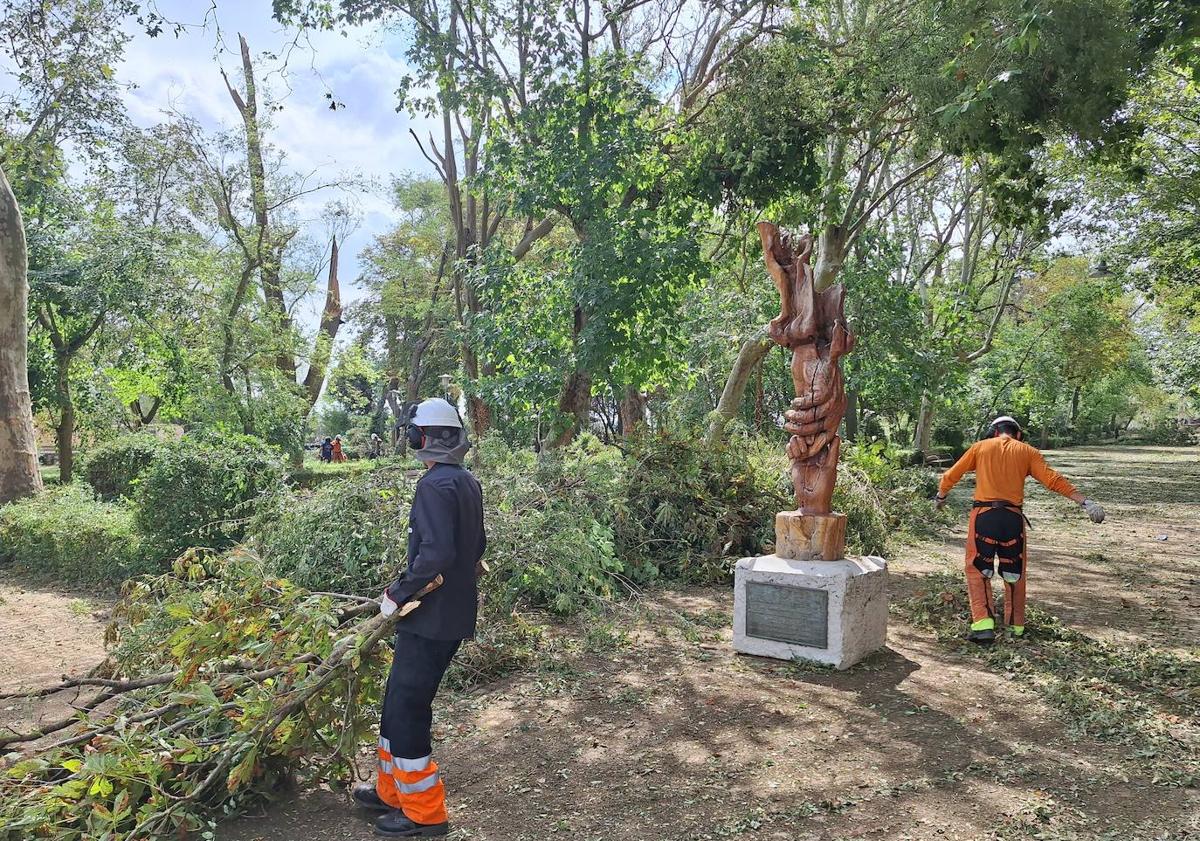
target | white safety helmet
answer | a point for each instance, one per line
(1007, 419)
(436, 412)
(436, 433)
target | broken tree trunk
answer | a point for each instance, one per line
(331, 321)
(270, 243)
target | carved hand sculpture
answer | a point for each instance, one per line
(813, 325)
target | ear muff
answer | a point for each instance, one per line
(416, 437)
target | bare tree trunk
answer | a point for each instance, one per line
(754, 349)
(391, 391)
(632, 411)
(270, 243)
(831, 253)
(574, 406)
(19, 474)
(575, 400)
(923, 437)
(64, 431)
(851, 415)
(760, 398)
(331, 321)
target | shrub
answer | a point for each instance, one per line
(71, 535)
(113, 467)
(864, 507)
(202, 490)
(1169, 432)
(550, 537)
(549, 541)
(348, 536)
(881, 497)
(572, 528)
(688, 510)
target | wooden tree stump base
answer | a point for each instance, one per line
(810, 537)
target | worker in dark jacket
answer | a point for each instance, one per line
(446, 538)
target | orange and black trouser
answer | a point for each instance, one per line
(408, 776)
(996, 538)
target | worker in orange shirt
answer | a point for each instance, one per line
(997, 526)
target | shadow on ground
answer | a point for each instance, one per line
(664, 733)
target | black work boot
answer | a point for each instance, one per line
(367, 797)
(396, 824)
(984, 637)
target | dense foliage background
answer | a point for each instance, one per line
(1007, 189)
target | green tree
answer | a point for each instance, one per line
(512, 78)
(898, 91)
(86, 267)
(410, 308)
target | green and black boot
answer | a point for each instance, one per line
(983, 632)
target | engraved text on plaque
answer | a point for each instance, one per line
(796, 615)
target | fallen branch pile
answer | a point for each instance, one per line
(221, 683)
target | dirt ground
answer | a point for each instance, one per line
(647, 726)
(45, 633)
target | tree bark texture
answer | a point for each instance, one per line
(752, 352)
(575, 400)
(19, 474)
(574, 407)
(923, 437)
(331, 321)
(64, 431)
(851, 415)
(270, 243)
(632, 411)
(812, 324)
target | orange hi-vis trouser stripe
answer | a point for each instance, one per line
(979, 588)
(411, 785)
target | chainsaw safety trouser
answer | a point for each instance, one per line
(996, 533)
(408, 777)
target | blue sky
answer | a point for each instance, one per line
(367, 138)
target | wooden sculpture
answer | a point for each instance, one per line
(813, 325)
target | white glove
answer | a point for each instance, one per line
(386, 606)
(1094, 510)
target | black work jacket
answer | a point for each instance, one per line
(445, 537)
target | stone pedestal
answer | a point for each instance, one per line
(810, 537)
(833, 612)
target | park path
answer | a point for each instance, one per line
(44, 635)
(1135, 578)
(647, 726)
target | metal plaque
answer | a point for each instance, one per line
(795, 615)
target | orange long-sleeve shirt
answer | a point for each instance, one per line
(1001, 465)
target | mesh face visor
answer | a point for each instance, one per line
(444, 445)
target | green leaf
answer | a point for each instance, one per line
(243, 772)
(178, 610)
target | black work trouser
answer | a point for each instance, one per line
(418, 665)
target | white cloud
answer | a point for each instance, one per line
(366, 138)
